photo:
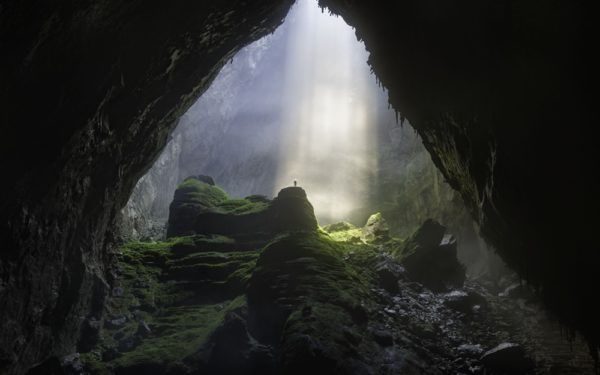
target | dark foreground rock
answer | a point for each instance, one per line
(507, 359)
(429, 256)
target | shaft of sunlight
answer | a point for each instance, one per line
(329, 108)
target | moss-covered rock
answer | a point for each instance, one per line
(202, 208)
(168, 303)
(304, 296)
(291, 211)
(192, 197)
(376, 230)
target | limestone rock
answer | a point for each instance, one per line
(376, 229)
(291, 211)
(430, 257)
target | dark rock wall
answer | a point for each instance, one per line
(500, 92)
(89, 94)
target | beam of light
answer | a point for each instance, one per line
(329, 113)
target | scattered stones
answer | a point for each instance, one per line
(464, 302)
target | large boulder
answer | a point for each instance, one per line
(291, 211)
(429, 257)
(196, 194)
(507, 359)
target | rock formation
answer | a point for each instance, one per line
(500, 93)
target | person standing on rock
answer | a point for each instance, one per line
(295, 182)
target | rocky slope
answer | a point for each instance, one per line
(342, 300)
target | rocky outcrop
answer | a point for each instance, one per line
(429, 256)
(195, 195)
(201, 208)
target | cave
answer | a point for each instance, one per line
(496, 96)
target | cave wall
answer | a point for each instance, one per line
(89, 94)
(501, 93)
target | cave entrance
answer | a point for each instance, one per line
(302, 104)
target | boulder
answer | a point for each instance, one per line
(463, 301)
(195, 195)
(389, 273)
(232, 350)
(508, 359)
(291, 211)
(429, 256)
(376, 229)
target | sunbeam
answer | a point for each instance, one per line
(328, 110)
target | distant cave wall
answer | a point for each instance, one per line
(501, 93)
(89, 94)
(235, 136)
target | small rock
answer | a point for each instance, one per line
(129, 343)
(507, 358)
(382, 336)
(470, 350)
(143, 329)
(71, 364)
(518, 291)
(462, 301)
(389, 274)
(117, 291)
(115, 323)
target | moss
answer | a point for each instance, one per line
(350, 235)
(241, 206)
(196, 192)
(323, 289)
(181, 332)
(180, 317)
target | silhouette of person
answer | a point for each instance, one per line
(295, 183)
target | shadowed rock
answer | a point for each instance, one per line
(430, 257)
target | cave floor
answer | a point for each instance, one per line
(199, 304)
